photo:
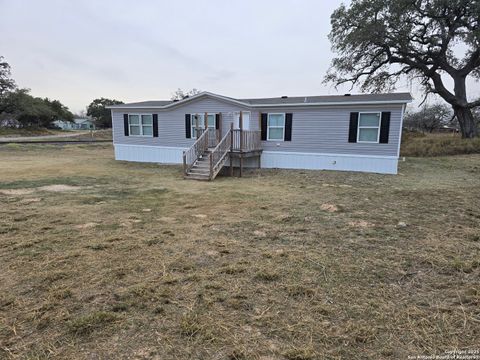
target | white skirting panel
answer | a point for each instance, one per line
(312, 161)
(143, 153)
(270, 159)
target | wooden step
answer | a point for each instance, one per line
(199, 172)
(202, 165)
(197, 177)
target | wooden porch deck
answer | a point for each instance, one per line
(245, 144)
(209, 153)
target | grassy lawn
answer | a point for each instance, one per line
(14, 132)
(42, 134)
(103, 259)
(418, 144)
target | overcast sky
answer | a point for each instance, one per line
(76, 51)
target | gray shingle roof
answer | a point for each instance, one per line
(330, 98)
(297, 100)
(150, 103)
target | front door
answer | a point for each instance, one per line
(245, 118)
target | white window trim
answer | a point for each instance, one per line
(140, 124)
(276, 127)
(192, 122)
(369, 127)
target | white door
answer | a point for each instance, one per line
(246, 120)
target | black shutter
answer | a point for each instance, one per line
(217, 121)
(288, 127)
(264, 126)
(155, 125)
(352, 132)
(385, 127)
(125, 124)
(188, 127)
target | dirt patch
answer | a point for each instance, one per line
(30, 200)
(329, 207)
(259, 233)
(212, 253)
(335, 185)
(361, 224)
(86, 225)
(59, 188)
(166, 219)
(129, 222)
(51, 188)
(16, 192)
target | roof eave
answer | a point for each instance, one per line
(246, 104)
(327, 103)
(330, 103)
(180, 102)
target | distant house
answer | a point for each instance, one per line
(448, 129)
(208, 131)
(77, 124)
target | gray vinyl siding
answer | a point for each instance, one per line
(322, 129)
(171, 122)
(325, 130)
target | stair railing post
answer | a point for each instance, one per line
(185, 163)
(205, 143)
(211, 165)
(240, 123)
(205, 126)
(231, 149)
(241, 143)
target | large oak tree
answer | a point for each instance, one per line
(379, 41)
(100, 114)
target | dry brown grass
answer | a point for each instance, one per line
(265, 274)
(418, 144)
(14, 132)
(96, 135)
(84, 135)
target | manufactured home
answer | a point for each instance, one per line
(207, 132)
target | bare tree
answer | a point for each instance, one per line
(429, 118)
(179, 94)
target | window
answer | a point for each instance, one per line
(368, 127)
(276, 127)
(201, 122)
(140, 125)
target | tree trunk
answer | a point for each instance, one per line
(468, 127)
(462, 112)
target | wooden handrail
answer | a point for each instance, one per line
(246, 140)
(233, 141)
(195, 151)
(218, 154)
